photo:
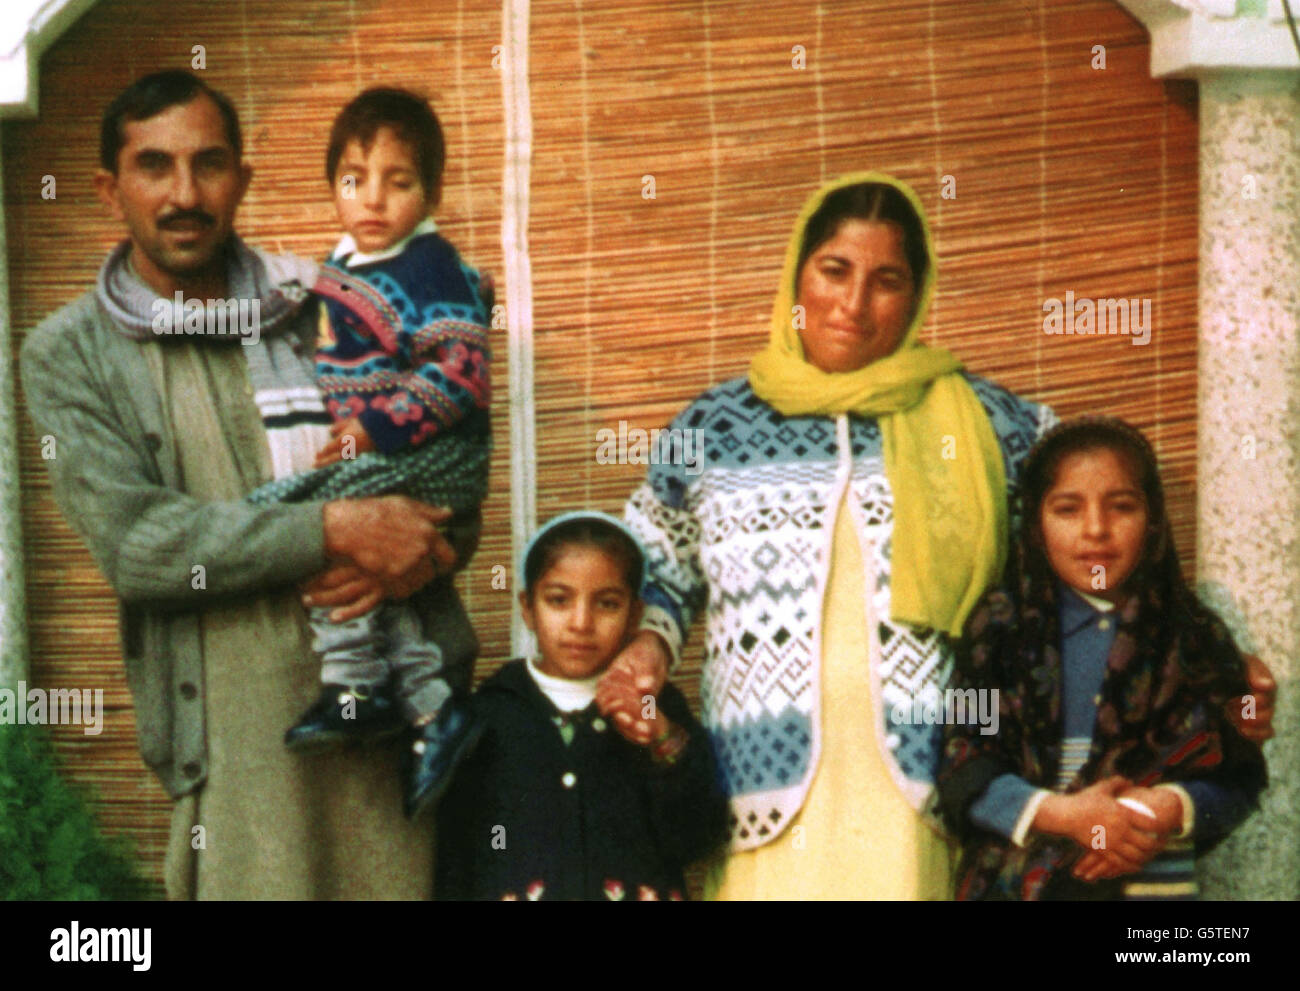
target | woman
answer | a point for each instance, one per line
(852, 508)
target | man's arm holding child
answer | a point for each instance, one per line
(354, 591)
(148, 539)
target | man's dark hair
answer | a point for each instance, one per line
(410, 117)
(151, 95)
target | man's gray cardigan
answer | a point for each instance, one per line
(117, 480)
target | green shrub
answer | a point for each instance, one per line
(50, 845)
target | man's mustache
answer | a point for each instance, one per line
(182, 217)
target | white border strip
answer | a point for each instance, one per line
(13, 584)
(519, 294)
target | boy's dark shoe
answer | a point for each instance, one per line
(342, 714)
(436, 750)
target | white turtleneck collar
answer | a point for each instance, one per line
(567, 694)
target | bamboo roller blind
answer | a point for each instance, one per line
(1066, 177)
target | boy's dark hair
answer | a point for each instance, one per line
(149, 96)
(410, 117)
(877, 201)
(584, 531)
(1091, 433)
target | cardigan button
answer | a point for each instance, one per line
(153, 441)
(191, 769)
(569, 780)
(188, 691)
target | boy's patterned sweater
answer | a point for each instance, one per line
(406, 344)
(749, 537)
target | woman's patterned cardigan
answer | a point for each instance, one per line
(746, 532)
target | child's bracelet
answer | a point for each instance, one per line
(668, 748)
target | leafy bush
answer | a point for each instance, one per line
(50, 845)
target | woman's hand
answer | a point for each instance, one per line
(661, 727)
(1255, 722)
(628, 689)
(333, 451)
(1098, 823)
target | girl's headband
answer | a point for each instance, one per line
(583, 514)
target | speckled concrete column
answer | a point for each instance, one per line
(1248, 485)
(13, 611)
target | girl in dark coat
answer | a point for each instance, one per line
(556, 802)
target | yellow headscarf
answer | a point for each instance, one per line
(942, 457)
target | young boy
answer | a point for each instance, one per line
(402, 362)
(556, 802)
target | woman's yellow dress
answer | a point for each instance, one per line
(856, 837)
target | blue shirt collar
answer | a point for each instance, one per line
(1076, 612)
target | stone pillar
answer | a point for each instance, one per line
(1248, 477)
(1248, 431)
(13, 588)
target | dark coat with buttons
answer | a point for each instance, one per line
(530, 816)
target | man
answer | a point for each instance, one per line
(158, 436)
